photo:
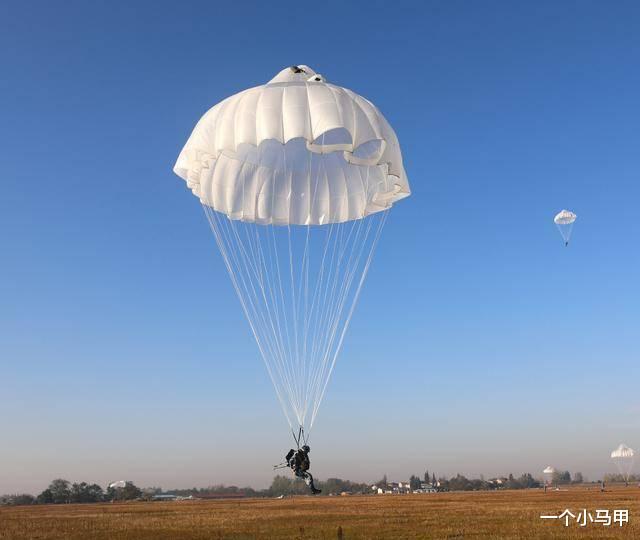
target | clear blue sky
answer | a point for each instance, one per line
(480, 345)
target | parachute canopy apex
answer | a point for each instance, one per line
(299, 73)
(623, 451)
(294, 151)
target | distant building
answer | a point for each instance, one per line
(170, 497)
(397, 488)
(426, 487)
(164, 497)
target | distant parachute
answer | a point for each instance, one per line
(118, 484)
(548, 475)
(623, 457)
(564, 220)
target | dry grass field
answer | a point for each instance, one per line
(499, 515)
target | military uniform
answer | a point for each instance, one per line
(299, 463)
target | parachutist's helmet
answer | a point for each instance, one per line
(306, 449)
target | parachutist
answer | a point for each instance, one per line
(299, 463)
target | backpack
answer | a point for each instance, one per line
(302, 460)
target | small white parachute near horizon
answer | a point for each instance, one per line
(564, 221)
(548, 474)
(118, 484)
(623, 456)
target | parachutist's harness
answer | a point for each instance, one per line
(298, 460)
(300, 440)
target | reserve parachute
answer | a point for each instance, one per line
(564, 221)
(296, 178)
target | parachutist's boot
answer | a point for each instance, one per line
(309, 481)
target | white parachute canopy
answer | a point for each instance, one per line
(548, 474)
(564, 220)
(118, 484)
(296, 177)
(623, 457)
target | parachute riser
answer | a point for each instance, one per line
(300, 437)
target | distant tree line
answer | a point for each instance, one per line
(280, 485)
(216, 490)
(415, 481)
(62, 491)
(564, 477)
(613, 478)
(286, 485)
(462, 483)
